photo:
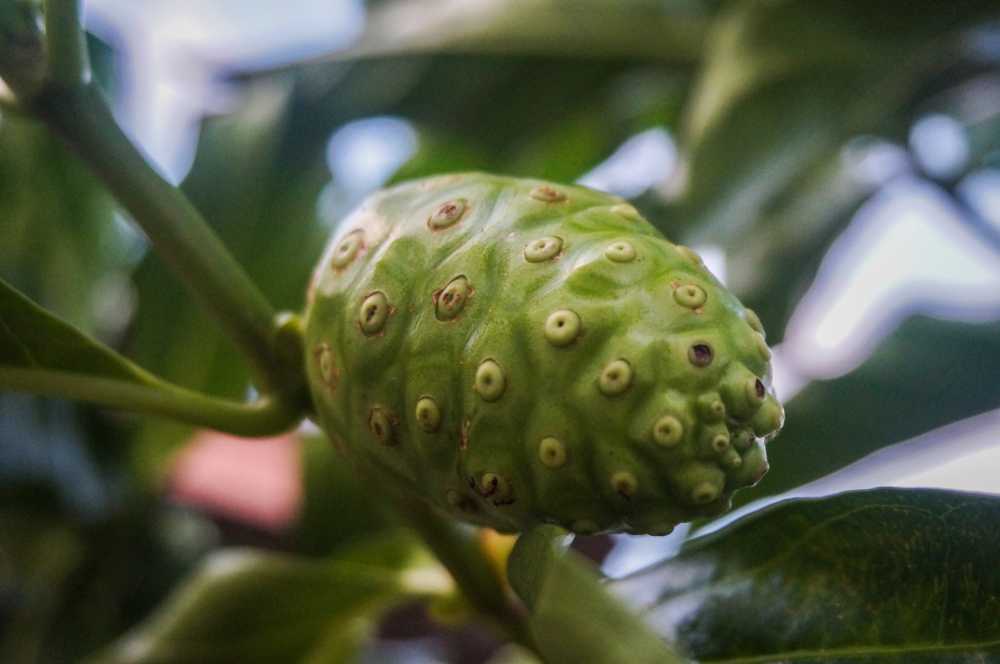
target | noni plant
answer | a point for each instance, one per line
(521, 352)
(476, 386)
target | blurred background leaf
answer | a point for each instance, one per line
(248, 606)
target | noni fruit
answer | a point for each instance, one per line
(520, 352)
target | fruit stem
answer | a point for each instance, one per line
(264, 417)
(68, 61)
(177, 231)
(459, 552)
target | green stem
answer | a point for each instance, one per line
(473, 573)
(177, 231)
(69, 65)
(266, 416)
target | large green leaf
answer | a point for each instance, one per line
(33, 338)
(248, 606)
(786, 82)
(888, 575)
(573, 618)
(58, 237)
(925, 375)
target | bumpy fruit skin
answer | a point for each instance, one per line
(519, 352)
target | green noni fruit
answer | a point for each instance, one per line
(520, 352)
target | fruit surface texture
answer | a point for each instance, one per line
(519, 352)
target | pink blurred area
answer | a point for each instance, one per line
(252, 481)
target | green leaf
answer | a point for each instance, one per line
(580, 29)
(60, 245)
(33, 338)
(888, 575)
(42, 354)
(250, 606)
(573, 617)
(785, 83)
(925, 375)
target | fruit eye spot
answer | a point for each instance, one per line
(615, 378)
(759, 388)
(552, 452)
(542, 249)
(700, 355)
(447, 214)
(620, 252)
(547, 194)
(347, 250)
(374, 312)
(690, 296)
(490, 381)
(624, 483)
(562, 327)
(668, 431)
(428, 414)
(450, 301)
(381, 426)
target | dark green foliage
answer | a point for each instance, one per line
(888, 575)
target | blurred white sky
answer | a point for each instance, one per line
(906, 250)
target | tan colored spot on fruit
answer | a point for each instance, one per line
(620, 251)
(447, 214)
(328, 371)
(450, 300)
(552, 453)
(428, 414)
(705, 492)
(711, 407)
(742, 440)
(720, 442)
(624, 483)
(347, 249)
(374, 313)
(490, 381)
(547, 194)
(668, 431)
(756, 393)
(690, 296)
(690, 255)
(615, 378)
(732, 460)
(497, 488)
(700, 354)
(543, 249)
(625, 210)
(380, 425)
(562, 327)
